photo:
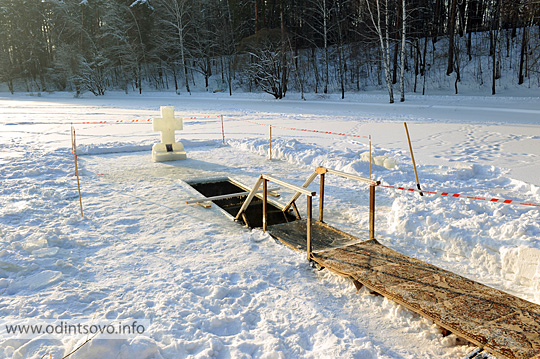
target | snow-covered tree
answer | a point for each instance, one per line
(266, 65)
(176, 18)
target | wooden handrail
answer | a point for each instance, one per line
(297, 194)
(322, 171)
(301, 190)
(264, 179)
(351, 176)
(281, 182)
(372, 185)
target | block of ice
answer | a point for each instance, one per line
(168, 149)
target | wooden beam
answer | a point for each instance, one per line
(250, 197)
(321, 170)
(231, 195)
(309, 233)
(310, 179)
(203, 204)
(321, 198)
(351, 176)
(264, 204)
(372, 212)
(296, 211)
(245, 219)
(281, 182)
(413, 161)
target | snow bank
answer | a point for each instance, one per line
(310, 155)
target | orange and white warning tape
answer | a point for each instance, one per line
(140, 121)
(117, 121)
(301, 129)
(457, 195)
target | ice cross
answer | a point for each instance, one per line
(168, 149)
(167, 124)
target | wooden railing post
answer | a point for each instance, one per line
(321, 171)
(265, 201)
(321, 199)
(309, 228)
(372, 211)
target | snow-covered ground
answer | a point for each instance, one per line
(214, 289)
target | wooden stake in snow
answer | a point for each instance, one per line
(270, 143)
(222, 129)
(74, 150)
(369, 156)
(412, 156)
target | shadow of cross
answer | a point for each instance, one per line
(167, 124)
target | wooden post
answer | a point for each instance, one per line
(222, 129)
(265, 200)
(321, 171)
(297, 214)
(270, 143)
(244, 217)
(369, 156)
(372, 211)
(74, 149)
(413, 162)
(321, 199)
(309, 228)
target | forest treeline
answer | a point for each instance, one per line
(316, 46)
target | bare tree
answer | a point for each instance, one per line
(320, 23)
(212, 36)
(451, 35)
(383, 32)
(498, 40)
(176, 16)
(266, 65)
(228, 45)
(94, 45)
(403, 42)
(125, 47)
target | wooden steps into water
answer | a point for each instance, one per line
(502, 324)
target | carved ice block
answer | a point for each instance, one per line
(168, 149)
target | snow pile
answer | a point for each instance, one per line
(310, 155)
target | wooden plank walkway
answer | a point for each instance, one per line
(504, 325)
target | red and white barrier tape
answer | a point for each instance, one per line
(301, 129)
(456, 195)
(117, 121)
(140, 121)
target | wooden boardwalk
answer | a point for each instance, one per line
(502, 324)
